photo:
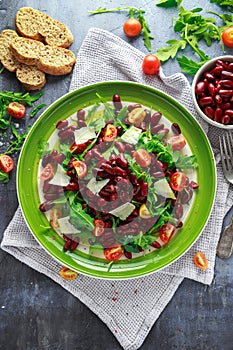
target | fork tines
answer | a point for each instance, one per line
(226, 149)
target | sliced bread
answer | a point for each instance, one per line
(29, 76)
(34, 24)
(49, 59)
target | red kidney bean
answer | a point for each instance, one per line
(119, 130)
(129, 147)
(51, 196)
(144, 189)
(226, 119)
(211, 89)
(209, 111)
(156, 128)
(81, 123)
(176, 128)
(200, 87)
(216, 71)
(120, 146)
(147, 118)
(155, 118)
(178, 210)
(117, 102)
(66, 135)
(113, 197)
(81, 114)
(218, 115)
(128, 255)
(110, 188)
(67, 245)
(158, 174)
(229, 112)
(136, 105)
(218, 98)
(226, 83)
(62, 124)
(72, 186)
(205, 101)
(227, 75)
(156, 244)
(226, 93)
(209, 76)
(225, 105)
(121, 161)
(164, 131)
(47, 205)
(108, 168)
(194, 185)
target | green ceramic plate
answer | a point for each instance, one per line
(27, 176)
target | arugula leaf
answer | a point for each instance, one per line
(4, 177)
(166, 52)
(189, 66)
(133, 12)
(17, 143)
(79, 218)
(168, 3)
(36, 109)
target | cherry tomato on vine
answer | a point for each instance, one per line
(142, 157)
(132, 27)
(166, 232)
(110, 133)
(113, 253)
(178, 181)
(150, 64)
(227, 36)
(6, 163)
(16, 110)
(47, 172)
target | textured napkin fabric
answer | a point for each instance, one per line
(129, 308)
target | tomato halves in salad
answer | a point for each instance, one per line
(118, 179)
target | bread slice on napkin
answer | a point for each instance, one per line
(49, 59)
(34, 24)
(29, 76)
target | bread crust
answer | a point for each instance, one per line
(29, 76)
(49, 59)
(34, 24)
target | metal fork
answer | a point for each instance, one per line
(225, 244)
(226, 150)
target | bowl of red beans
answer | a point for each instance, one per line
(212, 92)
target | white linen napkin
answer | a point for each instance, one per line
(130, 307)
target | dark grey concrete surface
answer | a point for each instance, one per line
(36, 313)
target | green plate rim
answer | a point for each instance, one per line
(143, 265)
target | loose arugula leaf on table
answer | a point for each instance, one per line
(168, 3)
(17, 142)
(133, 13)
(4, 177)
(189, 66)
(224, 3)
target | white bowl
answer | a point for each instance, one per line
(198, 77)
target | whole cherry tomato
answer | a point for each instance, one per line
(113, 253)
(178, 181)
(150, 64)
(16, 110)
(132, 27)
(142, 157)
(166, 232)
(6, 163)
(227, 36)
(110, 133)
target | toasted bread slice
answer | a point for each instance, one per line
(34, 24)
(29, 76)
(49, 59)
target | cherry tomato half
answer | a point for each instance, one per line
(200, 261)
(227, 36)
(99, 227)
(77, 149)
(166, 232)
(6, 163)
(150, 64)
(80, 168)
(142, 157)
(132, 27)
(177, 142)
(68, 274)
(47, 172)
(16, 110)
(113, 253)
(178, 181)
(110, 133)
